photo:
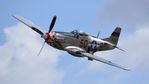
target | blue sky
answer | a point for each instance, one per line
(57, 67)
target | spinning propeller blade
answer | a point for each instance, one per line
(52, 23)
(35, 27)
(41, 48)
(29, 24)
(50, 28)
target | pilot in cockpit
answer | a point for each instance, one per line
(78, 33)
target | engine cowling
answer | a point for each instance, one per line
(49, 36)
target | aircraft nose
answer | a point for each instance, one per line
(52, 35)
(49, 36)
(45, 36)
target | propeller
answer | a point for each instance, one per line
(52, 23)
(41, 48)
(50, 29)
(38, 31)
(36, 28)
(29, 24)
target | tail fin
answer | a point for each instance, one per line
(114, 36)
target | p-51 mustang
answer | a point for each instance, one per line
(77, 43)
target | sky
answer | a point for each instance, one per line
(19, 45)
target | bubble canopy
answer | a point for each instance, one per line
(78, 32)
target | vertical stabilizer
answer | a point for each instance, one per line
(114, 36)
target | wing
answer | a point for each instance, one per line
(103, 60)
(81, 52)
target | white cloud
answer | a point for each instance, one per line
(19, 62)
(137, 47)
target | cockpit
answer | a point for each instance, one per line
(79, 32)
(74, 33)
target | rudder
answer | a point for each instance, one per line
(114, 36)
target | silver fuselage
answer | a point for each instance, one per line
(89, 43)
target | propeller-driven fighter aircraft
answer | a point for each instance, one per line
(77, 43)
